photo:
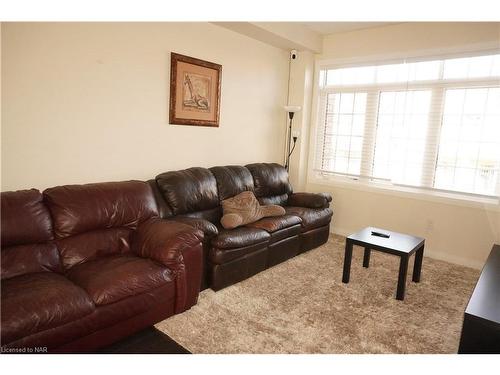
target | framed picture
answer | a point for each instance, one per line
(194, 91)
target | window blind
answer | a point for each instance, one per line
(429, 124)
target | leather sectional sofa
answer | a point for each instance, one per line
(83, 266)
(193, 196)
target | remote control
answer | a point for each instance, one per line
(380, 234)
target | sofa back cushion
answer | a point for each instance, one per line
(95, 220)
(213, 215)
(26, 235)
(25, 218)
(189, 191)
(232, 180)
(164, 209)
(271, 183)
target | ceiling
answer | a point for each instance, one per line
(303, 36)
(325, 28)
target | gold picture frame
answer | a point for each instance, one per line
(195, 87)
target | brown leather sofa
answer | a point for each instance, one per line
(193, 196)
(83, 266)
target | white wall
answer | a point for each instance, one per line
(88, 102)
(301, 91)
(457, 233)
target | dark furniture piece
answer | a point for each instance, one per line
(193, 196)
(147, 341)
(83, 266)
(402, 245)
(481, 327)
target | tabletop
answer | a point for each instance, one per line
(397, 241)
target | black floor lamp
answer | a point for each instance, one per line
(291, 109)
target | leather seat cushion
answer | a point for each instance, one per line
(36, 302)
(273, 224)
(311, 217)
(239, 237)
(113, 278)
(103, 319)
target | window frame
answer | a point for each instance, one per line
(438, 89)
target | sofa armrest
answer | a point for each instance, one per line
(208, 228)
(178, 247)
(310, 200)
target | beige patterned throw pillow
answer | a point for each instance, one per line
(244, 208)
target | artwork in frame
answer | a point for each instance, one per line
(195, 87)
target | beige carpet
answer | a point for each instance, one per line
(302, 306)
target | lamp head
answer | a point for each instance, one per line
(291, 109)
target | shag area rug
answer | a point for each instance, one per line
(302, 306)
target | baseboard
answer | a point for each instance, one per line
(341, 231)
(439, 255)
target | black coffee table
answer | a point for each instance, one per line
(399, 244)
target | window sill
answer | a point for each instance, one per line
(456, 199)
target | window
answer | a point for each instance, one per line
(402, 124)
(345, 122)
(468, 157)
(427, 124)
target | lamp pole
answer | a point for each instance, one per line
(291, 109)
(289, 138)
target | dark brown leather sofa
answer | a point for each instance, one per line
(193, 196)
(85, 265)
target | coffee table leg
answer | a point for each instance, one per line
(417, 265)
(403, 270)
(366, 257)
(347, 261)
